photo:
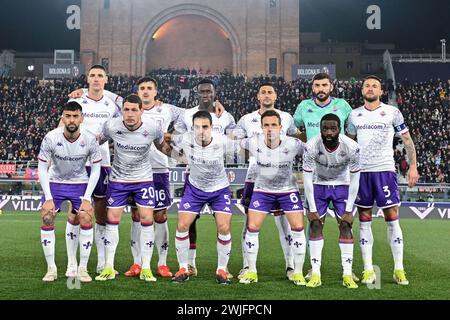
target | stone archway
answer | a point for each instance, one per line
(182, 10)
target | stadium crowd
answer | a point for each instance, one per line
(30, 108)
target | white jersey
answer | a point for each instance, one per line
(375, 133)
(331, 167)
(67, 159)
(250, 125)
(274, 167)
(163, 115)
(131, 149)
(96, 113)
(206, 164)
(220, 125)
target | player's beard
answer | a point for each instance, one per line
(72, 129)
(330, 143)
(324, 98)
(371, 99)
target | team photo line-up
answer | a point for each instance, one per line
(347, 160)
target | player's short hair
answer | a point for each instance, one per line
(133, 98)
(147, 79)
(202, 114)
(207, 81)
(72, 106)
(331, 117)
(271, 113)
(374, 78)
(268, 84)
(321, 76)
(98, 66)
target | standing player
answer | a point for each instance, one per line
(131, 176)
(248, 126)
(207, 183)
(65, 151)
(275, 187)
(97, 109)
(374, 125)
(331, 162)
(164, 115)
(206, 95)
(310, 111)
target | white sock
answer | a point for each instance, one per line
(48, 244)
(346, 246)
(192, 254)
(182, 248)
(147, 243)
(243, 247)
(72, 236)
(366, 243)
(99, 236)
(111, 240)
(298, 249)
(136, 242)
(86, 240)
(223, 251)
(315, 250)
(162, 241)
(395, 238)
(284, 232)
(252, 245)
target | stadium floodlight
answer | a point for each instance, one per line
(443, 51)
(30, 68)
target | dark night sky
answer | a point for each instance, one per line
(40, 25)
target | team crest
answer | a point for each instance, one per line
(110, 201)
(342, 153)
(310, 111)
(158, 109)
(285, 151)
(82, 144)
(145, 133)
(334, 109)
(186, 205)
(382, 113)
(231, 176)
(256, 204)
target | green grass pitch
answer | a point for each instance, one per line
(427, 263)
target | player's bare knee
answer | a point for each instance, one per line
(160, 216)
(48, 219)
(345, 229)
(85, 218)
(315, 228)
(223, 229)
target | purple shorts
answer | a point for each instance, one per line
(266, 202)
(142, 193)
(194, 199)
(247, 196)
(381, 187)
(162, 192)
(102, 183)
(323, 195)
(66, 191)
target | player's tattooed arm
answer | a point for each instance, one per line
(413, 175)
